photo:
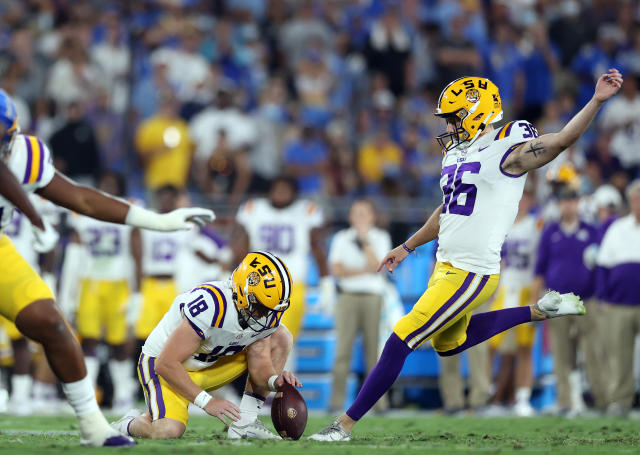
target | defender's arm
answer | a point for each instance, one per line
(13, 192)
(96, 204)
(538, 152)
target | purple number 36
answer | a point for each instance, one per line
(453, 188)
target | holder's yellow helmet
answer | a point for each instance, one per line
(470, 103)
(261, 289)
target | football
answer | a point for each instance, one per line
(289, 412)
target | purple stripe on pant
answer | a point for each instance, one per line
(145, 383)
(156, 382)
(461, 290)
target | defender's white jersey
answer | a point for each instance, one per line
(160, 251)
(285, 232)
(20, 232)
(108, 246)
(30, 162)
(480, 200)
(519, 254)
(210, 310)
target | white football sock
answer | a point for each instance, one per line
(93, 368)
(82, 398)
(250, 406)
(523, 395)
(21, 388)
(120, 371)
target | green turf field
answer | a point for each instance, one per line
(421, 434)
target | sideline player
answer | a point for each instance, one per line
(483, 177)
(518, 260)
(104, 292)
(291, 228)
(210, 336)
(27, 301)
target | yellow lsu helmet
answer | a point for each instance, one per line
(261, 287)
(470, 104)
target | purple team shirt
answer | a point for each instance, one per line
(560, 259)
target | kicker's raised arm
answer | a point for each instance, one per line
(539, 151)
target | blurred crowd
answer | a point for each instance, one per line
(220, 97)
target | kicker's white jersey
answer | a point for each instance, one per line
(30, 162)
(519, 254)
(480, 200)
(285, 232)
(108, 246)
(210, 310)
(160, 251)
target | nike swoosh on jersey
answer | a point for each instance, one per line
(482, 148)
(450, 273)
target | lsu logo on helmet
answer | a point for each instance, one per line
(470, 103)
(261, 289)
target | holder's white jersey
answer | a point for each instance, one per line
(210, 310)
(519, 254)
(108, 246)
(285, 232)
(30, 162)
(480, 200)
(160, 251)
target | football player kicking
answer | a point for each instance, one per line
(24, 297)
(483, 176)
(210, 336)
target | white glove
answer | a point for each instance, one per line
(45, 240)
(327, 295)
(132, 311)
(176, 220)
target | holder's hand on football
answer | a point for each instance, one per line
(393, 258)
(289, 378)
(608, 85)
(222, 409)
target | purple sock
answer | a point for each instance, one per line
(382, 376)
(483, 326)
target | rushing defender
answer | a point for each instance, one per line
(210, 336)
(27, 301)
(483, 177)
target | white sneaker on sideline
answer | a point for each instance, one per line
(553, 304)
(332, 433)
(523, 409)
(253, 430)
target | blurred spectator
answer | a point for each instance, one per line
(313, 83)
(296, 34)
(630, 57)
(607, 201)
(109, 127)
(571, 29)
(560, 267)
(618, 272)
(307, 159)
(539, 62)
(224, 138)
(72, 77)
(503, 65)
(388, 48)
(457, 56)
(75, 148)
(353, 259)
(164, 147)
(111, 57)
(187, 70)
(378, 158)
(148, 91)
(602, 165)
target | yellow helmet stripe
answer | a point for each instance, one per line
(220, 303)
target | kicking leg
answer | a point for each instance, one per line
(42, 322)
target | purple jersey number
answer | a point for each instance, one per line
(13, 229)
(104, 241)
(217, 352)
(514, 253)
(277, 238)
(453, 188)
(164, 250)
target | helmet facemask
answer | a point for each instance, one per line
(450, 140)
(259, 317)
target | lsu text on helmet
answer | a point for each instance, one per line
(261, 289)
(470, 104)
